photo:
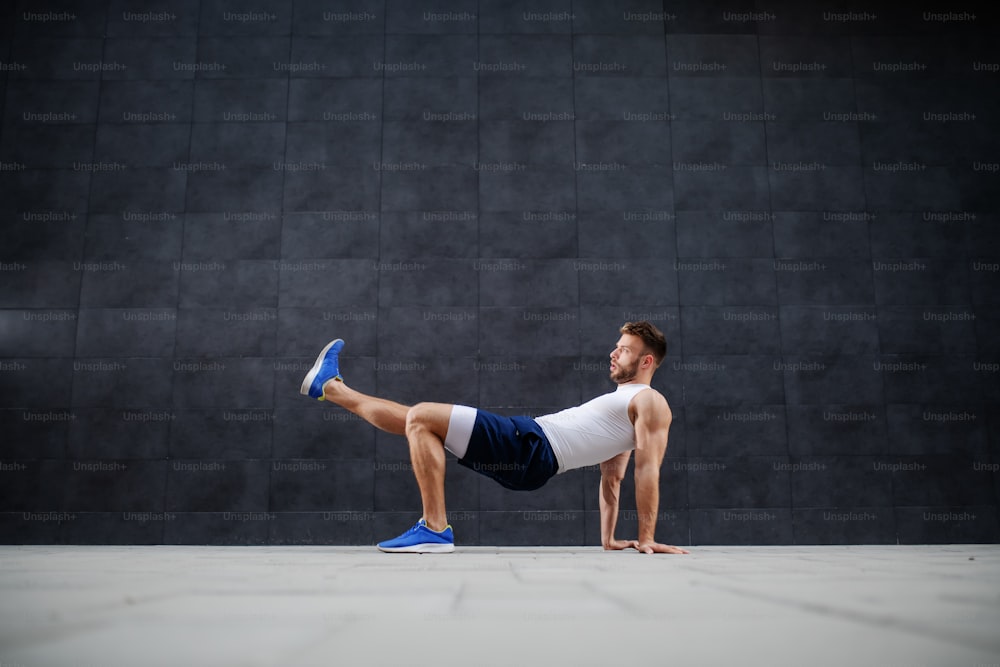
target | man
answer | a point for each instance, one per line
(523, 453)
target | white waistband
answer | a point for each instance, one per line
(460, 425)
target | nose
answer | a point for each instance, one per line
(613, 353)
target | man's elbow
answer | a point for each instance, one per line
(612, 473)
(610, 487)
(647, 471)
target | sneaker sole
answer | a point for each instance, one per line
(311, 375)
(425, 548)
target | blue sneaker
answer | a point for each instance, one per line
(421, 540)
(326, 368)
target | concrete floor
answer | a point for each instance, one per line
(146, 606)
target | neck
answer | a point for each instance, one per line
(637, 380)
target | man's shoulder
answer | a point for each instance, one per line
(649, 400)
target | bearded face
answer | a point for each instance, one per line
(624, 362)
(622, 373)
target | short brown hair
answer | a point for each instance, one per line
(653, 338)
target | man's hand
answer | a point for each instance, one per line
(657, 548)
(646, 548)
(618, 545)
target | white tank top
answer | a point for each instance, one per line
(593, 432)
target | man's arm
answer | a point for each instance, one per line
(612, 473)
(652, 426)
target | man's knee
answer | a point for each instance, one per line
(415, 416)
(426, 416)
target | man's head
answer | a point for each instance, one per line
(638, 353)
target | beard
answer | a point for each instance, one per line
(623, 374)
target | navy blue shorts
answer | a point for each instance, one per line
(511, 450)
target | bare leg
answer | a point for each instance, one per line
(379, 412)
(426, 428)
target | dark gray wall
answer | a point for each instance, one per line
(475, 195)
